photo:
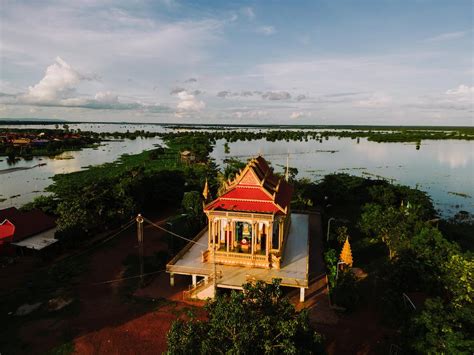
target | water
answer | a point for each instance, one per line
(22, 186)
(440, 168)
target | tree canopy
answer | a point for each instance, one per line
(258, 320)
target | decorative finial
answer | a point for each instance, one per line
(205, 192)
(346, 253)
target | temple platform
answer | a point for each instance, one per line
(293, 271)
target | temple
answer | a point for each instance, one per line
(251, 235)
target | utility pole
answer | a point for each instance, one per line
(139, 220)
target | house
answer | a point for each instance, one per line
(251, 235)
(20, 142)
(187, 156)
(30, 230)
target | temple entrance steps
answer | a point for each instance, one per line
(202, 290)
(317, 288)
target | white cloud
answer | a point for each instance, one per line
(461, 90)
(248, 12)
(106, 97)
(448, 36)
(266, 30)
(189, 102)
(296, 115)
(375, 101)
(58, 88)
(58, 84)
(250, 114)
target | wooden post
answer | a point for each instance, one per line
(139, 220)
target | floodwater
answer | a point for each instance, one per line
(444, 168)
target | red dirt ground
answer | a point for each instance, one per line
(106, 324)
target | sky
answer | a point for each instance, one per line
(389, 62)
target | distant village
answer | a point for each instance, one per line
(24, 143)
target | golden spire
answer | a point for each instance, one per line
(346, 253)
(205, 192)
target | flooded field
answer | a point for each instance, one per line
(444, 168)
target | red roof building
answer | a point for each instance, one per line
(17, 226)
(251, 217)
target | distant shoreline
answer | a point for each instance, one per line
(47, 122)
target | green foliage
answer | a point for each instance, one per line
(47, 204)
(390, 225)
(439, 329)
(331, 258)
(346, 292)
(342, 234)
(256, 321)
(232, 168)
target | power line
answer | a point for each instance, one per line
(173, 233)
(123, 278)
(122, 229)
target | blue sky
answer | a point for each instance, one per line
(299, 62)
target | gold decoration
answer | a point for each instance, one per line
(346, 253)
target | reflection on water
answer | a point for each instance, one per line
(22, 186)
(439, 167)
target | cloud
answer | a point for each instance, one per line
(58, 84)
(176, 90)
(266, 30)
(189, 102)
(190, 80)
(301, 97)
(223, 94)
(276, 95)
(461, 90)
(375, 101)
(447, 36)
(58, 88)
(248, 12)
(296, 115)
(250, 114)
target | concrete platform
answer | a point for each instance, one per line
(293, 272)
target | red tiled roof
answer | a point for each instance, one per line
(247, 206)
(27, 224)
(246, 193)
(261, 192)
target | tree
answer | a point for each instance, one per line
(256, 321)
(439, 329)
(390, 225)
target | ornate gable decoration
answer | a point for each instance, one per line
(255, 189)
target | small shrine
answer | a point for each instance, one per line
(249, 222)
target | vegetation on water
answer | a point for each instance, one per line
(273, 135)
(258, 320)
(104, 196)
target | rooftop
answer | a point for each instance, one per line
(255, 189)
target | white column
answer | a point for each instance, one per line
(194, 280)
(171, 279)
(301, 294)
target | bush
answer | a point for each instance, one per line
(346, 293)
